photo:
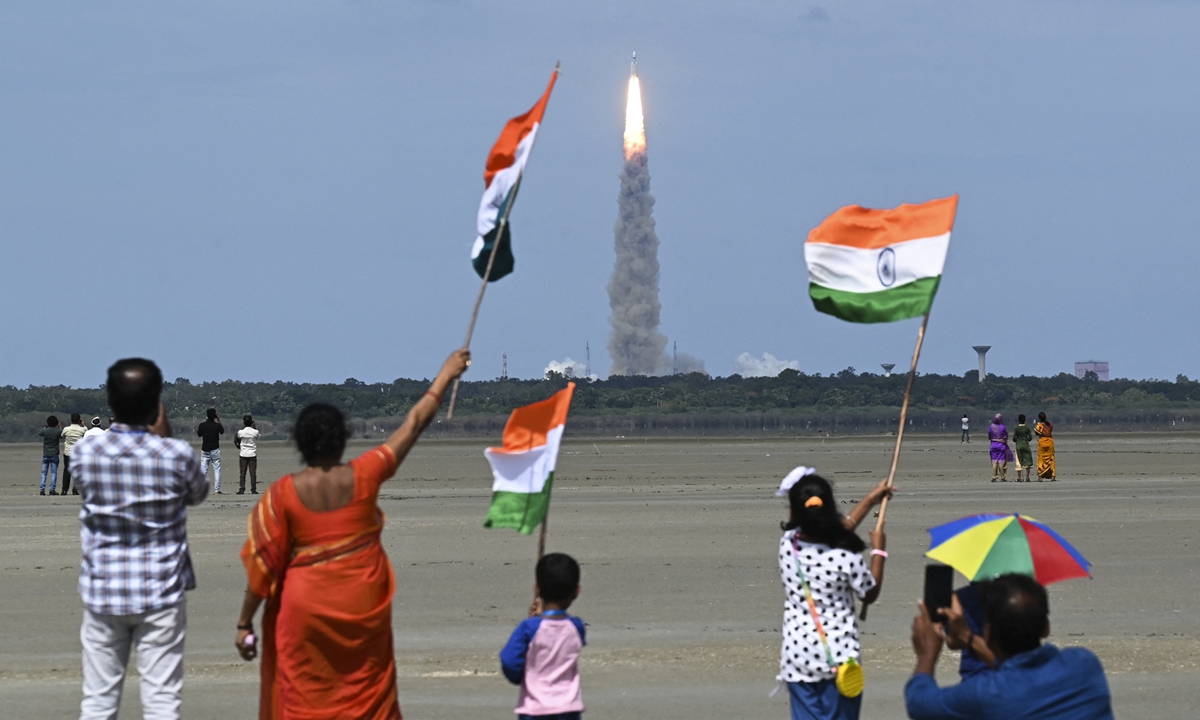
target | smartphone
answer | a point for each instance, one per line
(939, 587)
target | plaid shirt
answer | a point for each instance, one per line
(135, 487)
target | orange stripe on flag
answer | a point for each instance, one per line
(504, 152)
(860, 227)
(527, 426)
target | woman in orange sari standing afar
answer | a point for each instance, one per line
(1045, 435)
(314, 555)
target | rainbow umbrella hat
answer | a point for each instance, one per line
(983, 547)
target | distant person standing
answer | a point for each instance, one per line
(966, 430)
(1045, 435)
(210, 432)
(137, 483)
(246, 441)
(1022, 436)
(51, 435)
(94, 428)
(71, 434)
(999, 451)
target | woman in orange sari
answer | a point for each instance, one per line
(1045, 435)
(314, 555)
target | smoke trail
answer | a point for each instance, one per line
(635, 344)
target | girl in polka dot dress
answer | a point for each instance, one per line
(830, 555)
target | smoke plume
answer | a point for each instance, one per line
(569, 368)
(635, 344)
(747, 365)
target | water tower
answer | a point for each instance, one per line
(887, 368)
(982, 350)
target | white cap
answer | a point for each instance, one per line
(794, 477)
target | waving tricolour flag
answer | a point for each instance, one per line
(872, 266)
(523, 469)
(502, 175)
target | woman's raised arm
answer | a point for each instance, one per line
(426, 408)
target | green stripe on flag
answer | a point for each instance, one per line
(907, 301)
(504, 262)
(521, 511)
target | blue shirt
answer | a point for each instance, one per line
(968, 598)
(1037, 685)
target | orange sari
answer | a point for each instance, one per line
(326, 642)
(1046, 466)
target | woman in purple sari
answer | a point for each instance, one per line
(999, 451)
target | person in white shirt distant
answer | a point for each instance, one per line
(966, 428)
(71, 434)
(246, 441)
(94, 428)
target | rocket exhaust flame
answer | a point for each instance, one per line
(635, 126)
(635, 344)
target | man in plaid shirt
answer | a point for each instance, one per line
(137, 483)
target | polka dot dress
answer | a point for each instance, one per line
(832, 575)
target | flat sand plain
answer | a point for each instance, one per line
(680, 585)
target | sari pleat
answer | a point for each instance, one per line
(327, 649)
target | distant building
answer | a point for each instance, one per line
(1100, 368)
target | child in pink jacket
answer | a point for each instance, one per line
(543, 652)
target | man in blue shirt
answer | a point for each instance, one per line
(1033, 681)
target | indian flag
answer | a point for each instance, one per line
(502, 176)
(523, 469)
(872, 266)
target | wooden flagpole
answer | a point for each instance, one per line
(912, 373)
(488, 272)
(542, 537)
(483, 286)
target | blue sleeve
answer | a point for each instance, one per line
(512, 657)
(582, 630)
(924, 700)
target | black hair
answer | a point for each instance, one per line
(134, 385)
(212, 413)
(557, 577)
(320, 432)
(1017, 612)
(821, 522)
(247, 419)
(1042, 416)
(75, 418)
(1020, 418)
(52, 421)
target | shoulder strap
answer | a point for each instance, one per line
(812, 605)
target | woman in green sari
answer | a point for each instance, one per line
(1022, 436)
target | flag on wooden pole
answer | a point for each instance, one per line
(873, 266)
(523, 469)
(501, 177)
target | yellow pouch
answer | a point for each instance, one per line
(850, 679)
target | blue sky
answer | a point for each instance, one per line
(287, 190)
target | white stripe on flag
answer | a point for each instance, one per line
(502, 182)
(852, 269)
(525, 471)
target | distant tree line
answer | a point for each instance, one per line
(694, 403)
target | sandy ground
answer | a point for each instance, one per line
(680, 585)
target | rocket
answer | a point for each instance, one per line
(633, 66)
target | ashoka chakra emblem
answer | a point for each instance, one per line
(885, 266)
